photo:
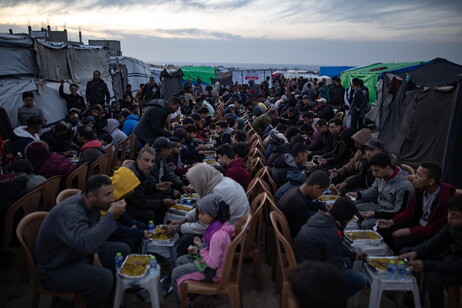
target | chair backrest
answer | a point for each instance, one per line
(257, 165)
(133, 145)
(29, 203)
(110, 151)
(265, 174)
(255, 187)
(408, 169)
(253, 238)
(238, 241)
(79, 176)
(27, 232)
(66, 194)
(99, 166)
(288, 261)
(50, 189)
(120, 153)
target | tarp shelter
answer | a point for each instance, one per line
(136, 72)
(205, 73)
(244, 76)
(28, 65)
(370, 75)
(172, 83)
(415, 109)
(332, 71)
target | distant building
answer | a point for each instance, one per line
(112, 45)
(54, 36)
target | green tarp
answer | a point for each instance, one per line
(204, 72)
(370, 75)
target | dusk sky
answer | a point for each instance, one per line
(327, 32)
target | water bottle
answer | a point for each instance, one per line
(151, 226)
(391, 270)
(152, 265)
(118, 261)
(401, 270)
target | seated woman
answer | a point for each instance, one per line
(206, 259)
(48, 164)
(206, 180)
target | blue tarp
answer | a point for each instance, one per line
(333, 70)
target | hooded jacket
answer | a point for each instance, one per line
(116, 134)
(320, 239)
(90, 152)
(392, 195)
(281, 166)
(22, 139)
(152, 124)
(342, 149)
(353, 166)
(128, 126)
(236, 170)
(48, 164)
(294, 179)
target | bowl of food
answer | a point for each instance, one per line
(363, 236)
(159, 235)
(135, 266)
(210, 161)
(328, 198)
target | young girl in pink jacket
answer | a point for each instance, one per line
(206, 258)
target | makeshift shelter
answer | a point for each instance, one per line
(415, 109)
(370, 75)
(205, 73)
(172, 83)
(127, 70)
(332, 71)
(243, 76)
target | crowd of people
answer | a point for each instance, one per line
(314, 140)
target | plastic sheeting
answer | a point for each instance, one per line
(16, 61)
(243, 76)
(333, 70)
(138, 72)
(204, 72)
(52, 62)
(172, 83)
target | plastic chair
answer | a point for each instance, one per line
(29, 203)
(110, 151)
(50, 189)
(99, 166)
(120, 153)
(63, 195)
(79, 175)
(256, 187)
(27, 232)
(133, 146)
(230, 280)
(257, 165)
(408, 169)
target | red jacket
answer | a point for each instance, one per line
(237, 171)
(438, 214)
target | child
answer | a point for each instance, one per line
(212, 252)
(28, 109)
(441, 256)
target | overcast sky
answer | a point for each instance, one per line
(323, 32)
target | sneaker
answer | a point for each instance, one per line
(166, 284)
(144, 294)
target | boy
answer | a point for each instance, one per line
(28, 110)
(441, 256)
(190, 152)
(224, 133)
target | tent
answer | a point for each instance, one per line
(415, 108)
(38, 66)
(172, 83)
(243, 76)
(332, 71)
(205, 73)
(128, 70)
(370, 75)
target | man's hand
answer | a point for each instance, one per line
(171, 229)
(134, 227)
(352, 195)
(385, 223)
(163, 185)
(401, 232)
(361, 255)
(367, 214)
(409, 255)
(178, 222)
(417, 265)
(147, 234)
(333, 175)
(197, 241)
(187, 189)
(61, 81)
(176, 194)
(96, 261)
(169, 202)
(117, 208)
(341, 185)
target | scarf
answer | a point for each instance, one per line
(203, 178)
(210, 231)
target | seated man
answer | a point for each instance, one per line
(326, 141)
(145, 203)
(235, 167)
(343, 146)
(425, 214)
(299, 203)
(388, 195)
(174, 161)
(295, 160)
(224, 133)
(71, 252)
(23, 135)
(262, 122)
(91, 148)
(190, 150)
(441, 256)
(320, 239)
(57, 141)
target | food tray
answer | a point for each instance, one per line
(159, 235)
(363, 236)
(141, 266)
(180, 208)
(380, 264)
(210, 161)
(328, 198)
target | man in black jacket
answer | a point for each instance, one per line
(97, 91)
(150, 91)
(152, 124)
(73, 100)
(441, 256)
(325, 143)
(358, 105)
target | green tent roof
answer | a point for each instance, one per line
(204, 72)
(370, 75)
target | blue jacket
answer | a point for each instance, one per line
(128, 127)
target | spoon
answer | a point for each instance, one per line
(375, 226)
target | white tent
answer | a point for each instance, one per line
(243, 76)
(138, 72)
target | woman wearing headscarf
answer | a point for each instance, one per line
(206, 180)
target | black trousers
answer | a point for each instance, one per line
(397, 244)
(356, 120)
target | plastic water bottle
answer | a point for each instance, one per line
(401, 270)
(391, 270)
(152, 265)
(118, 261)
(151, 226)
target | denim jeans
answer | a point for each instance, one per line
(354, 280)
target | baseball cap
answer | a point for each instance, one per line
(321, 100)
(163, 142)
(74, 110)
(375, 143)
